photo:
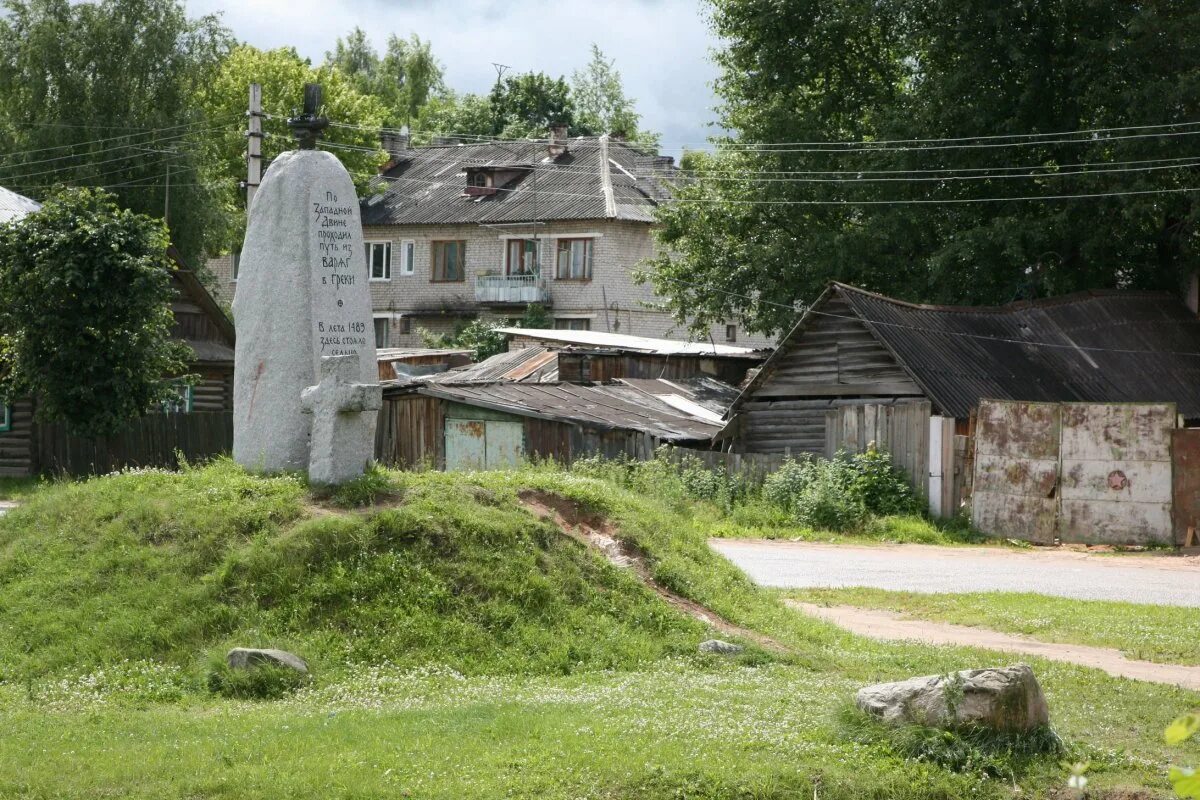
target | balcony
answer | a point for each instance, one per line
(511, 290)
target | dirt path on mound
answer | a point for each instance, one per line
(599, 534)
(890, 626)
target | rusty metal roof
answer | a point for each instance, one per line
(609, 407)
(426, 185)
(1097, 346)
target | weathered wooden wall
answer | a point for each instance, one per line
(1076, 472)
(900, 429)
(17, 456)
(833, 361)
(593, 367)
(214, 390)
(154, 440)
(410, 432)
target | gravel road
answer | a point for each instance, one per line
(1156, 579)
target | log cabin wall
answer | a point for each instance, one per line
(214, 390)
(834, 360)
(16, 443)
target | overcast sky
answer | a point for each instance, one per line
(661, 47)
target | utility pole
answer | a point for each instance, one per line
(254, 136)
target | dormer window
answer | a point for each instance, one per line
(480, 179)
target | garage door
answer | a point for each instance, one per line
(474, 444)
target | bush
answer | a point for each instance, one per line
(671, 475)
(842, 494)
(260, 682)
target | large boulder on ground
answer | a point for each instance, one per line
(244, 657)
(1002, 698)
(718, 646)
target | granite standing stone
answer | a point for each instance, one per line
(343, 421)
(302, 295)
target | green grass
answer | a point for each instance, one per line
(1165, 634)
(17, 489)
(759, 520)
(460, 648)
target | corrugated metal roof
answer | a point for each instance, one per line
(426, 186)
(1100, 346)
(611, 407)
(633, 344)
(14, 206)
(712, 395)
(401, 353)
(529, 364)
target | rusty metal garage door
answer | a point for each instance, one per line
(1077, 472)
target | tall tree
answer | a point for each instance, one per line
(527, 105)
(103, 94)
(91, 356)
(282, 74)
(403, 79)
(601, 105)
(411, 66)
(764, 225)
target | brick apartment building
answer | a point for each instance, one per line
(468, 230)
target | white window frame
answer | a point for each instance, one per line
(387, 260)
(5, 417)
(408, 257)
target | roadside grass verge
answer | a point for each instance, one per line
(1166, 634)
(460, 648)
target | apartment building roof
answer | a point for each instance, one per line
(526, 181)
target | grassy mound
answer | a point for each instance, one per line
(172, 566)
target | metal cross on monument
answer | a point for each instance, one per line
(337, 404)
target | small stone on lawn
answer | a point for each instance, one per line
(718, 646)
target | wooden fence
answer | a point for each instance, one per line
(155, 440)
(901, 430)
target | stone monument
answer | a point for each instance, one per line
(302, 297)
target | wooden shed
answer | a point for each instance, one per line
(487, 425)
(854, 348)
(27, 447)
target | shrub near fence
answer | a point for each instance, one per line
(155, 440)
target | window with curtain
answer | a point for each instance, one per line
(573, 261)
(449, 261)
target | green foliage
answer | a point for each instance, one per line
(528, 104)
(481, 336)
(1184, 780)
(162, 566)
(450, 113)
(973, 750)
(672, 475)
(85, 319)
(105, 94)
(282, 75)
(403, 79)
(258, 682)
(741, 242)
(601, 105)
(842, 494)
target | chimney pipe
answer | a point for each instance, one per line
(557, 145)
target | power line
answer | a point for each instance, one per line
(100, 141)
(102, 151)
(1103, 168)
